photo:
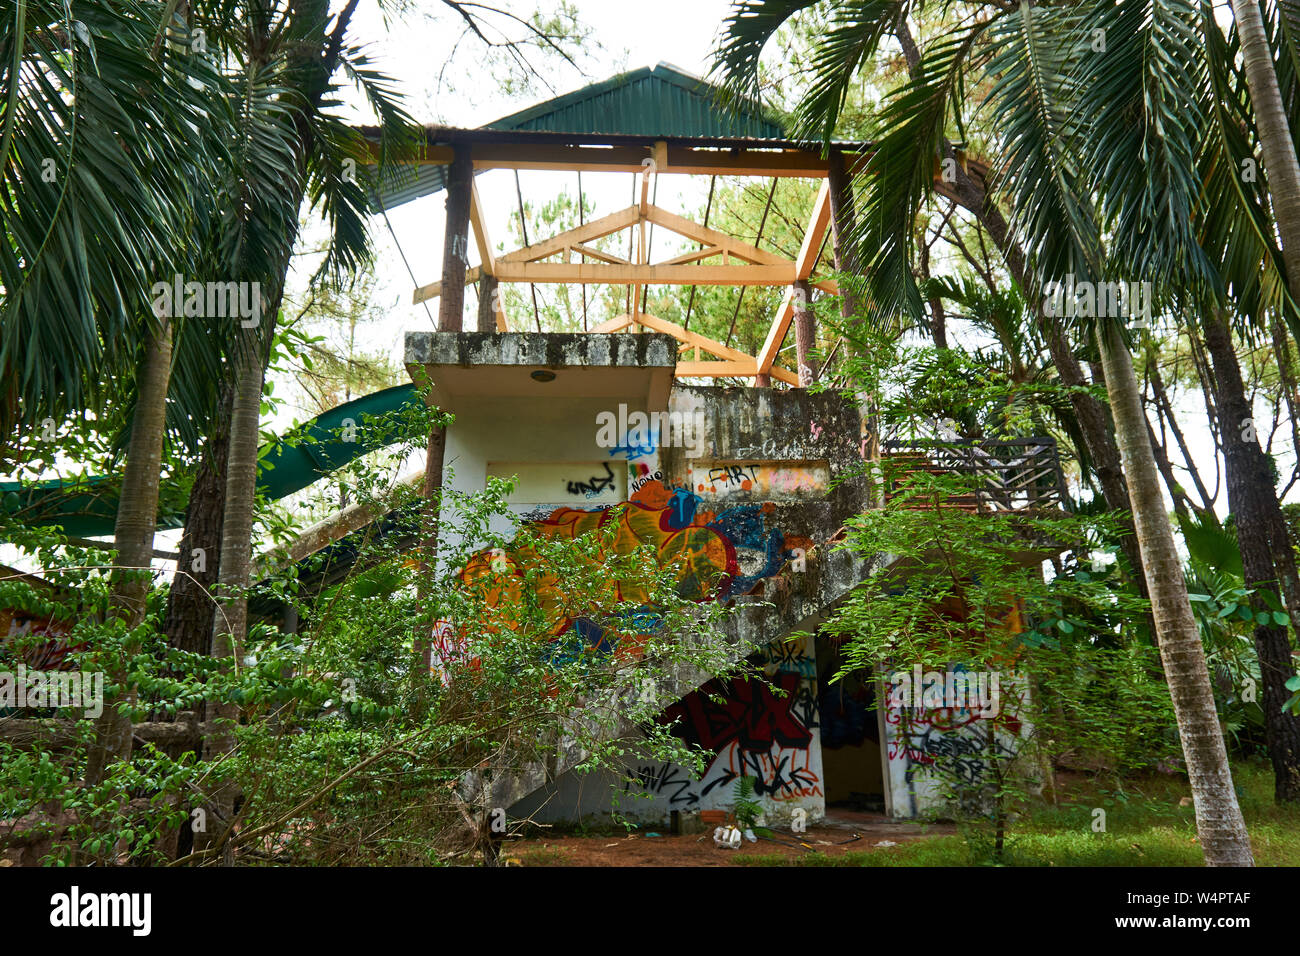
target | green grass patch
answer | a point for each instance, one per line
(1145, 826)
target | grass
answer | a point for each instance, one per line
(1145, 826)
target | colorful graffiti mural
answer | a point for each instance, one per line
(716, 554)
(932, 749)
(763, 731)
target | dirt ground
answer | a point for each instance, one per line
(841, 833)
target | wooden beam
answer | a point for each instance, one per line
(687, 160)
(596, 229)
(700, 161)
(806, 260)
(695, 256)
(434, 289)
(602, 274)
(559, 157)
(731, 369)
(729, 244)
(776, 334)
(485, 254)
(804, 264)
(618, 323)
(713, 346)
(642, 250)
(598, 254)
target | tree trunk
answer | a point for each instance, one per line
(1281, 168)
(805, 333)
(1253, 501)
(230, 624)
(1219, 823)
(191, 603)
(133, 531)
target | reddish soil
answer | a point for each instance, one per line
(833, 838)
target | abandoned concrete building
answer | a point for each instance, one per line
(756, 467)
(714, 448)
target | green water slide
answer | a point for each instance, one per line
(87, 507)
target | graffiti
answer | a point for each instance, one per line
(762, 481)
(50, 653)
(770, 449)
(644, 477)
(716, 554)
(737, 476)
(667, 779)
(633, 451)
(755, 731)
(593, 485)
(749, 713)
(447, 649)
(815, 430)
(847, 716)
(790, 657)
(957, 743)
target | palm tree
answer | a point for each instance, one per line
(1273, 126)
(1185, 204)
(291, 147)
(1026, 57)
(107, 144)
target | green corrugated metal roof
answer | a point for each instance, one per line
(660, 102)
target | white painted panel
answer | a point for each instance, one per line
(584, 484)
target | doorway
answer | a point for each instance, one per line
(852, 758)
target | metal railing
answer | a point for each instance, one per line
(1018, 474)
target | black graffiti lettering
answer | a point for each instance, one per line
(594, 485)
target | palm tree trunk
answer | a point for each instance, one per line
(230, 626)
(190, 605)
(1252, 498)
(1281, 167)
(133, 531)
(1219, 823)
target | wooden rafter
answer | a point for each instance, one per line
(596, 229)
(729, 361)
(486, 256)
(805, 262)
(683, 160)
(434, 289)
(751, 265)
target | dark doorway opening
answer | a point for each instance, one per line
(852, 762)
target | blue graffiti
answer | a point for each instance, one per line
(638, 449)
(761, 548)
(681, 508)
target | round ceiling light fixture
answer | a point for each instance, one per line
(542, 375)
